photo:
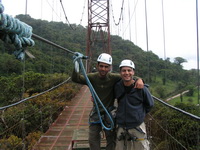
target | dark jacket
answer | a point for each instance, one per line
(133, 105)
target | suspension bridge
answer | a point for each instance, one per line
(70, 127)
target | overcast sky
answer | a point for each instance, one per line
(179, 22)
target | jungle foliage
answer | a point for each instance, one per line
(154, 70)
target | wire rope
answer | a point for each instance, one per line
(7, 129)
(168, 133)
(53, 10)
(129, 19)
(198, 80)
(23, 115)
(134, 11)
(51, 43)
(82, 13)
(120, 17)
(28, 98)
(177, 109)
(146, 22)
(26, 117)
(135, 4)
(66, 15)
(147, 42)
(163, 22)
(197, 36)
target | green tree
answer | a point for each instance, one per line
(179, 60)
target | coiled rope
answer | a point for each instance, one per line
(13, 31)
(78, 58)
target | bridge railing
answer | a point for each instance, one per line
(171, 128)
(168, 127)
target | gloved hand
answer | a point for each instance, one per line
(76, 66)
(76, 56)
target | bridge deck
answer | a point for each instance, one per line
(71, 125)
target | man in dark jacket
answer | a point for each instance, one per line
(133, 105)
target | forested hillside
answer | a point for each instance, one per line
(155, 71)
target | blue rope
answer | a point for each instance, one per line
(78, 58)
(15, 32)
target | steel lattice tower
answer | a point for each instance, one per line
(98, 36)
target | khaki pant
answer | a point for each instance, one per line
(95, 137)
(132, 139)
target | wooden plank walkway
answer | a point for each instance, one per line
(74, 117)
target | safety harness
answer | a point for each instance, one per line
(127, 136)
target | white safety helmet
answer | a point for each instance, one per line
(105, 58)
(127, 63)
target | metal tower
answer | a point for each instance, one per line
(98, 36)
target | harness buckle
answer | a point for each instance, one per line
(129, 137)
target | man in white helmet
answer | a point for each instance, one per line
(103, 82)
(133, 105)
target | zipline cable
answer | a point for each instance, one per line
(78, 58)
(51, 43)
